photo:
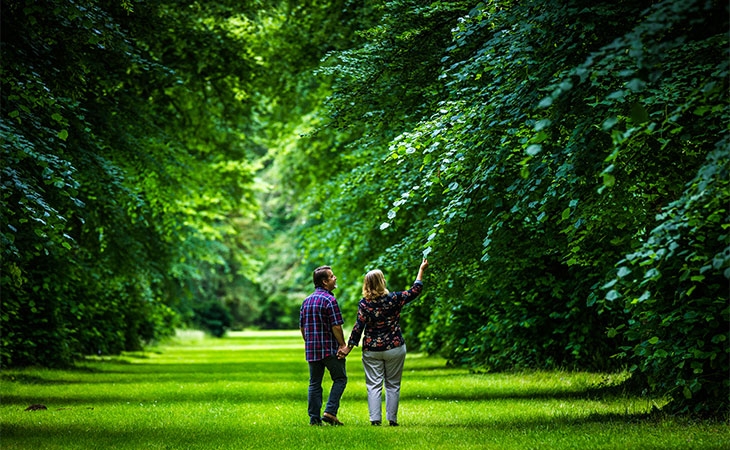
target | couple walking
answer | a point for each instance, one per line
(384, 350)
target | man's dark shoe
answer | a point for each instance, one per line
(375, 423)
(332, 420)
(315, 423)
(393, 423)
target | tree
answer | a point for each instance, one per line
(123, 173)
(535, 160)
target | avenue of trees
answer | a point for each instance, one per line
(565, 166)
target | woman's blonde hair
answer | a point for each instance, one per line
(373, 286)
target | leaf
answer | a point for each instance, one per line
(525, 172)
(609, 123)
(63, 135)
(636, 85)
(687, 393)
(545, 102)
(533, 149)
(639, 114)
(617, 95)
(652, 273)
(384, 225)
(541, 124)
(608, 180)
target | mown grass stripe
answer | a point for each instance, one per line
(248, 391)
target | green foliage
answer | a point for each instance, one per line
(563, 165)
(377, 95)
(674, 290)
(123, 179)
(536, 158)
(213, 317)
(303, 147)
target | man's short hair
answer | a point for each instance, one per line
(320, 274)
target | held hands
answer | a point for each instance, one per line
(343, 351)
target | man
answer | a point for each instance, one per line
(320, 322)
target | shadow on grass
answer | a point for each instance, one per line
(165, 373)
(585, 393)
(261, 380)
(272, 388)
(25, 436)
(540, 424)
(174, 434)
(29, 379)
(253, 381)
(189, 395)
(231, 382)
(235, 371)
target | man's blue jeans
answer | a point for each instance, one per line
(336, 368)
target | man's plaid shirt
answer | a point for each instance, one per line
(318, 314)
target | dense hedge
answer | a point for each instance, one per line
(565, 170)
(123, 177)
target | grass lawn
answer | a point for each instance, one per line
(249, 391)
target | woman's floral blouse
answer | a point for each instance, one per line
(380, 319)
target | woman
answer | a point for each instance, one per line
(384, 350)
